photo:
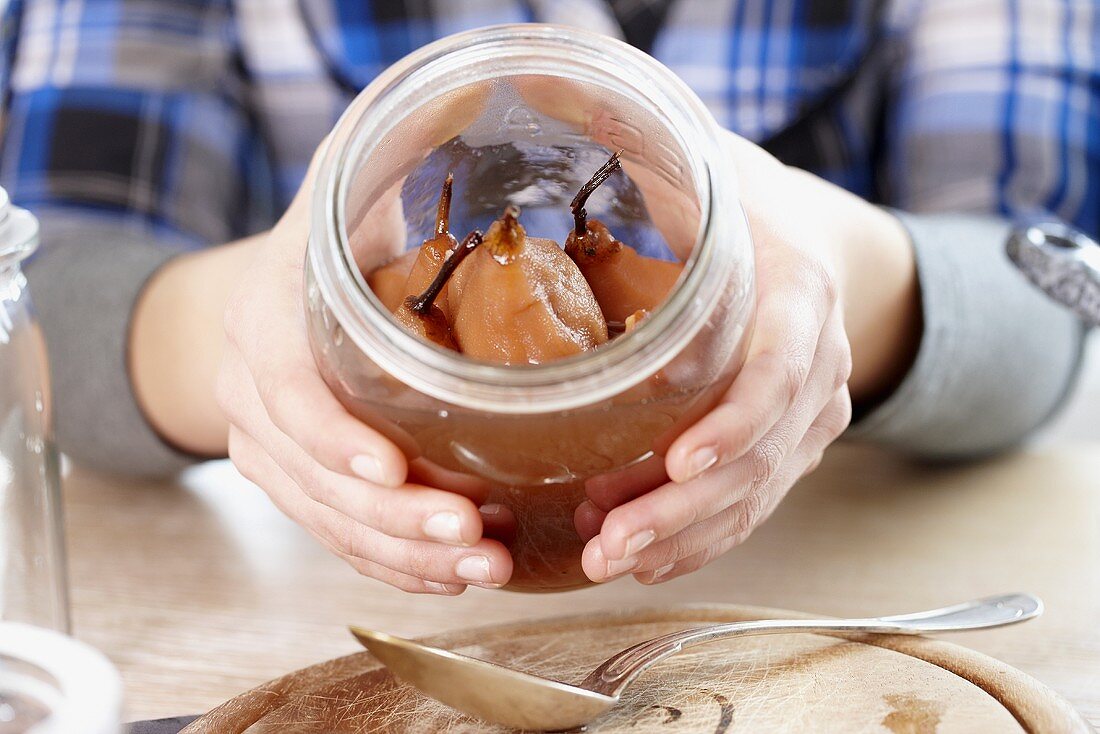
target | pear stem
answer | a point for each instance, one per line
(423, 303)
(580, 216)
(506, 236)
(443, 217)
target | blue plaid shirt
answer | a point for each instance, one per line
(138, 129)
(196, 118)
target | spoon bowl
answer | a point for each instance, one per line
(521, 700)
(486, 690)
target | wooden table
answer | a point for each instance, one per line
(202, 590)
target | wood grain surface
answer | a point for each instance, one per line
(200, 591)
(791, 683)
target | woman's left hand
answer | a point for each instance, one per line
(788, 403)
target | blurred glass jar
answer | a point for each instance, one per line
(33, 585)
(53, 684)
(524, 114)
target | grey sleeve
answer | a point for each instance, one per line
(84, 283)
(997, 357)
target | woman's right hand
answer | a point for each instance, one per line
(337, 477)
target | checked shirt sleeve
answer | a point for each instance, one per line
(995, 116)
(126, 130)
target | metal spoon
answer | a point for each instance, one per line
(524, 701)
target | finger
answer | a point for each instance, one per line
(422, 471)
(790, 319)
(398, 580)
(607, 491)
(673, 507)
(412, 512)
(293, 397)
(499, 523)
(737, 521)
(829, 426)
(486, 563)
(258, 468)
(303, 408)
(588, 519)
(655, 517)
(691, 563)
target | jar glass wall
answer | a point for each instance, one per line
(523, 115)
(33, 584)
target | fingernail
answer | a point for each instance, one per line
(439, 588)
(445, 527)
(662, 571)
(493, 509)
(617, 568)
(701, 460)
(639, 541)
(368, 467)
(474, 569)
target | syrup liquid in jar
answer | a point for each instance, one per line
(520, 117)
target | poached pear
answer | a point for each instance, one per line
(522, 300)
(622, 280)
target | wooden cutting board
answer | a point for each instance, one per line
(787, 683)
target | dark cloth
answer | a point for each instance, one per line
(640, 19)
(160, 726)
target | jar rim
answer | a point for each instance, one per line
(557, 385)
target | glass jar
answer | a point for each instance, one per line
(523, 114)
(33, 585)
(53, 684)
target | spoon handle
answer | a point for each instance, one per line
(617, 672)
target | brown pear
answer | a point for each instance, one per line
(411, 273)
(388, 282)
(623, 281)
(421, 314)
(521, 300)
(435, 250)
